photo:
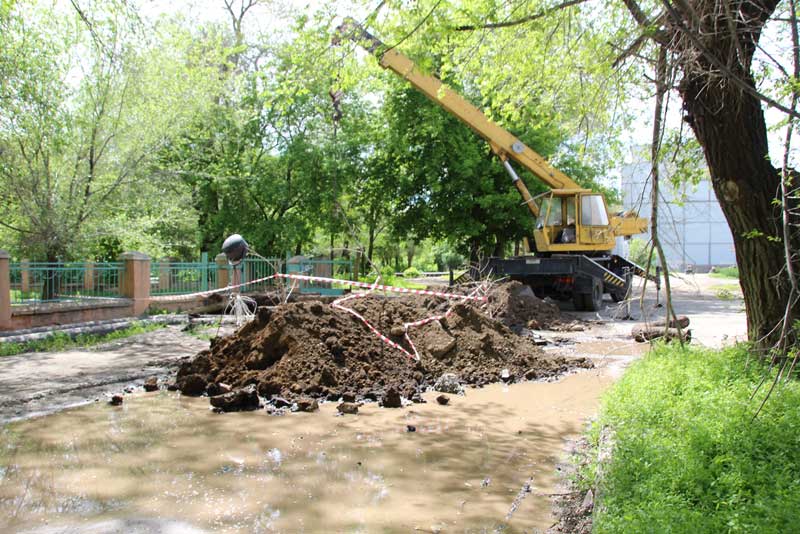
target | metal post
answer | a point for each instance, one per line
(629, 286)
(204, 271)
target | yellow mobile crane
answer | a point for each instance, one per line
(574, 233)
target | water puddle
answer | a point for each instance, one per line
(163, 463)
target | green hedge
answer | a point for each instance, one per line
(687, 456)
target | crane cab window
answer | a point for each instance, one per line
(549, 213)
(593, 211)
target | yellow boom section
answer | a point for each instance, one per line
(503, 143)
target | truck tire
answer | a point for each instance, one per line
(594, 301)
(578, 301)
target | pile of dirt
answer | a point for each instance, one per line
(515, 305)
(312, 349)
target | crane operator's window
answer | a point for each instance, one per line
(551, 208)
(593, 211)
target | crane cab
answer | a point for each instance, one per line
(572, 220)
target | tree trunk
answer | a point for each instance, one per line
(731, 129)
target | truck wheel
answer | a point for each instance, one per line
(578, 301)
(594, 301)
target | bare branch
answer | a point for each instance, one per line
(523, 20)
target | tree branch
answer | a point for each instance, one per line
(720, 65)
(523, 20)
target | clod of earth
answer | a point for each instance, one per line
(245, 398)
(309, 349)
(443, 400)
(348, 407)
(391, 399)
(307, 404)
(151, 384)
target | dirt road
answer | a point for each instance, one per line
(33, 384)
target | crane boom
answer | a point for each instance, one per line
(504, 144)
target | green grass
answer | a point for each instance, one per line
(726, 272)
(687, 456)
(60, 341)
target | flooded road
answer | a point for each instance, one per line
(165, 463)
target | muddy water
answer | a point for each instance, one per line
(163, 463)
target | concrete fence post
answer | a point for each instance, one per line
(25, 276)
(5, 291)
(163, 276)
(222, 271)
(88, 276)
(136, 280)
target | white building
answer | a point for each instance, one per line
(692, 227)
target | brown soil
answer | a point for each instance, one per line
(515, 305)
(311, 348)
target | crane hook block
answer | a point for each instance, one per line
(235, 249)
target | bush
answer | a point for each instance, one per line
(725, 272)
(411, 272)
(687, 456)
(637, 253)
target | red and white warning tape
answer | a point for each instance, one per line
(476, 294)
(305, 278)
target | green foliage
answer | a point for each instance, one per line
(411, 272)
(726, 272)
(638, 253)
(687, 456)
(60, 341)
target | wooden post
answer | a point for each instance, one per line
(136, 280)
(5, 291)
(25, 274)
(222, 271)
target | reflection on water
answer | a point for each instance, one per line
(163, 463)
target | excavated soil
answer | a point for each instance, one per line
(313, 349)
(515, 305)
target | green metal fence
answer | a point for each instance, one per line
(34, 282)
(339, 269)
(256, 269)
(180, 278)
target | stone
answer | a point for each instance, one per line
(448, 383)
(245, 398)
(348, 407)
(411, 428)
(172, 387)
(443, 400)
(116, 400)
(151, 384)
(307, 404)
(391, 399)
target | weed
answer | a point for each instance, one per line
(60, 341)
(726, 272)
(687, 455)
